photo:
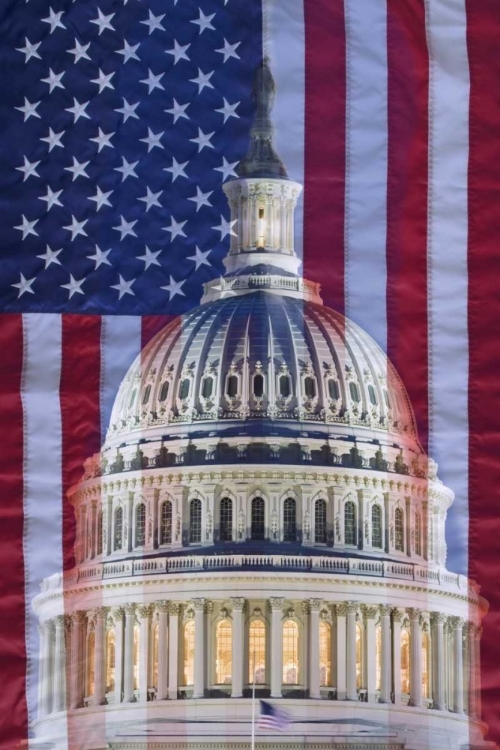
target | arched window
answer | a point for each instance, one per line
(110, 661)
(184, 389)
(426, 654)
(195, 521)
(207, 387)
(258, 525)
(320, 521)
(354, 391)
(399, 530)
(99, 533)
(359, 656)
(188, 648)
(226, 520)
(405, 662)
(140, 525)
(136, 655)
(309, 387)
(325, 653)
(232, 386)
(284, 386)
(118, 530)
(376, 526)
(418, 534)
(164, 390)
(257, 652)
(224, 652)
(289, 520)
(333, 389)
(349, 523)
(146, 395)
(91, 664)
(372, 395)
(290, 653)
(378, 658)
(154, 655)
(132, 398)
(166, 523)
(258, 385)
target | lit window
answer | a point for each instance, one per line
(226, 520)
(258, 528)
(333, 389)
(184, 389)
(353, 390)
(258, 385)
(146, 395)
(425, 665)
(349, 523)
(207, 387)
(372, 395)
(195, 521)
(164, 390)
(140, 525)
(405, 662)
(378, 658)
(257, 652)
(289, 520)
(99, 533)
(290, 653)
(136, 652)
(325, 653)
(118, 532)
(166, 523)
(232, 386)
(91, 664)
(284, 384)
(224, 653)
(320, 522)
(188, 646)
(132, 398)
(399, 530)
(418, 534)
(376, 526)
(310, 387)
(110, 661)
(359, 656)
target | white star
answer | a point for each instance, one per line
(50, 256)
(127, 169)
(52, 198)
(200, 257)
(30, 50)
(226, 227)
(100, 198)
(149, 258)
(29, 109)
(227, 169)
(228, 110)
(128, 110)
(77, 169)
(73, 286)
(103, 81)
(53, 139)
(152, 81)
(151, 199)
(201, 199)
(204, 21)
(178, 51)
(54, 80)
(176, 169)
(100, 257)
(124, 287)
(154, 22)
(78, 110)
(126, 227)
(153, 140)
(175, 228)
(27, 227)
(24, 286)
(174, 287)
(178, 110)
(203, 140)
(128, 51)
(203, 79)
(102, 140)
(229, 50)
(76, 228)
(29, 169)
(104, 22)
(79, 51)
(55, 20)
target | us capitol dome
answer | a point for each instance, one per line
(261, 510)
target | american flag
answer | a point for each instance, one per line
(272, 717)
(121, 119)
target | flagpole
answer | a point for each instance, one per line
(253, 704)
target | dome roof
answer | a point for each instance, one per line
(264, 361)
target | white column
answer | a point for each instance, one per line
(415, 657)
(173, 649)
(99, 657)
(386, 656)
(397, 617)
(128, 661)
(458, 665)
(314, 609)
(438, 670)
(118, 617)
(474, 680)
(341, 652)
(276, 604)
(199, 648)
(371, 651)
(144, 615)
(76, 674)
(162, 687)
(46, 631)
(59, 674)
(352, 693)
(238, 604)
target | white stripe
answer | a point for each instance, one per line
(366, 166)
(284, 42)
(448, 353)
(42, 539)
(120, 345)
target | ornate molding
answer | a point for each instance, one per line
(162, 606)
(370, 612)
(144, 610)
(199, 604)
(174, 609)
(130, 609)
(276, 602)
(414, 613)
(315, 604)
(397, 614)
(237, 602)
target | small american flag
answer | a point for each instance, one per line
(272, 717)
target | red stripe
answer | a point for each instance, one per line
(408, 93)
(151, 325)
(324, 148)
(13, 708)
(483, 36)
